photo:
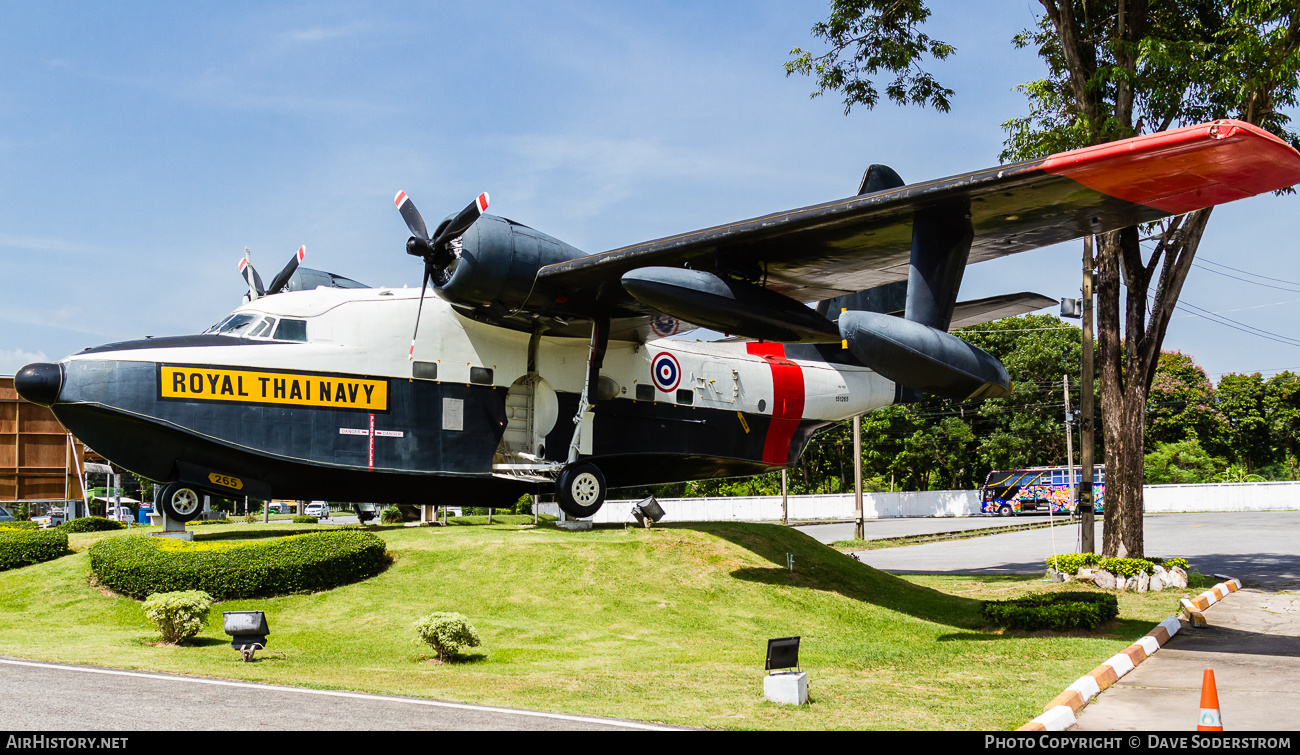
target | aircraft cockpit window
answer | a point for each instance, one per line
(291, 330)
(235, 325)
(263, 328)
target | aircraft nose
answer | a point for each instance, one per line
(40, 382)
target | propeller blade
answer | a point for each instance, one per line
(410, 355)
(463, 220)
(254, 280)
(411, 215)
(282, 278)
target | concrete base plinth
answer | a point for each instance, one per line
(575, 525)
(789, 687)
(181, 535)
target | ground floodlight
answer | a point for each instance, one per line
(647, 509)
(247, 630)
(782, 652)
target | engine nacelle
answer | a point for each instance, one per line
(728, 305)
(923, 358)
(498, 262)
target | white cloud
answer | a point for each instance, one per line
(11, 360)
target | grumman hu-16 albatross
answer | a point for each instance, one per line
(539, 367)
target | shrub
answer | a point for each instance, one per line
(446, 633)
(20, 524)
(178, 615)
(391, 515)
(1072, 562)
(524, 505)
(250, 518)
(1125, 567)
(305, 519)
(140, 565)
(91, 524)
(21, 546)
(1058, 611)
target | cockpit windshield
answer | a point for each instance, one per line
(233, 325)
(245, 325)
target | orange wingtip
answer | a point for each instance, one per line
(1184, 169)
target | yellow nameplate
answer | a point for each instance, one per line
(225, 480)
(261, 387)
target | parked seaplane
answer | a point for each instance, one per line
(537, 367)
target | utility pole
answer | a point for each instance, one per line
(1087, 535)
(859, 530)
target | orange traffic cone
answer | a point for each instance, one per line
(1210, 719)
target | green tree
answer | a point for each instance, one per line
(1118, 68)
(1182, 462)
(1283, 405)
(1242, 401)
(867, 37)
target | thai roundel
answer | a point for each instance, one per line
(665, 370)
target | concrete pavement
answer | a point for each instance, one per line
(1253, 646)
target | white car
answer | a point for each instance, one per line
(52, 519)
(318, 509)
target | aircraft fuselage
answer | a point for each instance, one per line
(342, 413)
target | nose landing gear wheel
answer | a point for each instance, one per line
(580, 489)
(180, 502)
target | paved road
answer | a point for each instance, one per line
(72, 698)
(1256, 547)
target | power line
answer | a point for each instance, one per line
(1245, 272)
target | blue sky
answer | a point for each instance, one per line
(143, 146)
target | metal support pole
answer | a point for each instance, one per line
(785, 501)
(1086, 522)
(859, 529)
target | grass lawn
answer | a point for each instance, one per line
(667, 625)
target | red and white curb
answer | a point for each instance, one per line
(1060, 712)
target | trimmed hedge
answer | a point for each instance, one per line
(1072, 562)
(305, 519)
(21, 546)
(90, 524)
(1059, 611)
(140, 566)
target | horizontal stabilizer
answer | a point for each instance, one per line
(923, 358)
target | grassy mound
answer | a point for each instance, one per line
(23, 546)
(141, 566)
(669, 624)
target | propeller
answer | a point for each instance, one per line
(246, 269)
(255, 288)
(281, 278)
(438, 253)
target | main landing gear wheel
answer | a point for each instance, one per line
(580, 489)
(180, 502)
(1005, 510)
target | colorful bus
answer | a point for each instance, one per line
(1011, 492)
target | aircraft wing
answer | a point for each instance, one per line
(830, 249)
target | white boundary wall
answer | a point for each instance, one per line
(1222, 496)
(1240, 496)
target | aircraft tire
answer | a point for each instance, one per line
(180, 502)
(1005, 510)
(580, 489)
